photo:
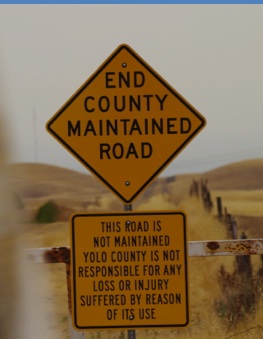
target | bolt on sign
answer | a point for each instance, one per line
(129, 270)
(125, 123)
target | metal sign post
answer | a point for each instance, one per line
(131, 333)
(75, 334)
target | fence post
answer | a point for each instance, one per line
(244, 262)
(194, 189)
(233, 227)
(209, 201)
(225, 215)
(219, 208)
(206, 196)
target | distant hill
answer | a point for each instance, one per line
(36, 180)
(243, 175)
(33, 184)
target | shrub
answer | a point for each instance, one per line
(240, 294)
(47, 213)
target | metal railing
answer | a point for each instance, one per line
(195, 249)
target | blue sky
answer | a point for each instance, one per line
(211, 54)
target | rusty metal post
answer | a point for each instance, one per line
(73, 333)
(62, 255)
(131, 333)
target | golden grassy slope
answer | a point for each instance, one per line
(39, 183)
(203, 286)
(243, 175)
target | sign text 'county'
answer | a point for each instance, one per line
(122, 127)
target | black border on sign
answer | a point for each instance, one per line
(74, 315)
(164, 83)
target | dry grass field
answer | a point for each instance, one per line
(241, 188)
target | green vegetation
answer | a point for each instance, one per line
(47, 213)
(240, 293)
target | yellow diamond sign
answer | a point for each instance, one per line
(125, 123)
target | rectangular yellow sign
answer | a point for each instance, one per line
(129, 270)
